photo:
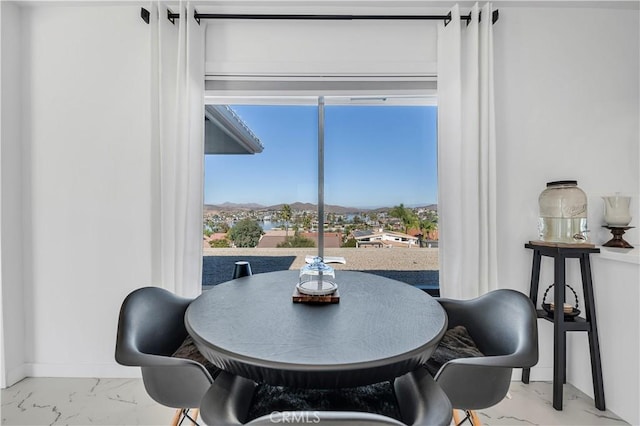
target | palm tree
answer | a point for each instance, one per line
(373, 218)
(285, 214)
(426, 226)
(407, 216)
(306, 221)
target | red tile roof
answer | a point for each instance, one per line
(331, 239)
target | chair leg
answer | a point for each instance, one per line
(196, 412)
(475, 420)
(176, 417)
(470, 415)
(456, 417)
(192, 417)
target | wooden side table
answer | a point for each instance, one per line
(561, 325)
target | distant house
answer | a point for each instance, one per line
(271, 238)
(382, 238)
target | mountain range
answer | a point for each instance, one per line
(328, 208)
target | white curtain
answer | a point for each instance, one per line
(466, 156)
(177, 103)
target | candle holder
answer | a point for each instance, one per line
(617, 240)
(241, 269)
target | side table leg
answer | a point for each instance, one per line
(594, 344)
(559, 336)
(533, 295)
(535, 277)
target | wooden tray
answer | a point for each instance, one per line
(567, 315)
(562, 245)
(298, 297)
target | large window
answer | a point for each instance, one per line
(380, 188)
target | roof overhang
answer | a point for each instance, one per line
(226, 133)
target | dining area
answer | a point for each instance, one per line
(383, 352)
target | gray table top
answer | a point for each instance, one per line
(381, 329)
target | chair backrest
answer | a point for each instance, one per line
(228, 400)
(503, 324)
(150, 328)
(151, 323)
(351, 418)
(420, 399)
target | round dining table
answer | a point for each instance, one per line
(380, 329)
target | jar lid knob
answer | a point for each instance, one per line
(562, 182)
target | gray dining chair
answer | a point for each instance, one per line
(150, 329)
(503, 325)
(420, 402)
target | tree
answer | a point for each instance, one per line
(246, 233)
(407, 216)
(306, 221)
(223, 243)
(285, 214)
(373, 217)
(221, 227)
(351, 242)
(296, 241)
(348, 229)
(208, 224)
(426, 226)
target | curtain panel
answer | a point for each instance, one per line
(177, 105)
(466, 156)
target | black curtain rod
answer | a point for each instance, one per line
(325, 17)
(446, 18)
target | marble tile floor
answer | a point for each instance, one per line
(70, 401)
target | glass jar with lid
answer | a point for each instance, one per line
(563, 213)
(316, 278)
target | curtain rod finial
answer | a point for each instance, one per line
(447, 19)
(145, 15)
(172, 16)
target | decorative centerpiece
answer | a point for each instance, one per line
(316, 282)
(617, 218)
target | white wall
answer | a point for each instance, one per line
(567, 108)
(327, 48)
(88, 188)
(617, 296)
(11, 212)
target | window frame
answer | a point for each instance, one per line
(423, 93)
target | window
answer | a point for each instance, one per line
(380, 186)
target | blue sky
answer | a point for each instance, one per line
(375, 156)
